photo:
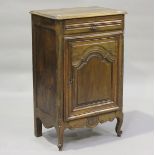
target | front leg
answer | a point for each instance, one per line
(60, 134)
(119, 124)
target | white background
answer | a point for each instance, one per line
(16, 107)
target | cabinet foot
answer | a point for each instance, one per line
(119, 125)
(60, 134)
(119, 133)
(60, 147)
(37, 127)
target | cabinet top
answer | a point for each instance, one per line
(79, 12)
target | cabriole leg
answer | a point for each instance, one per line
(119, 125)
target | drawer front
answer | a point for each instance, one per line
(93, 24)
(91, 74)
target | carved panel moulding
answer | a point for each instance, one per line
(95, 51)
(103, 101)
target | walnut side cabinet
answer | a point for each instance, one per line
(77, 68)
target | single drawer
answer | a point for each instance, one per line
(94, 24)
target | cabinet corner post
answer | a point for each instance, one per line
(59, 83)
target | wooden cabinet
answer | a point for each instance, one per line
(77, 68)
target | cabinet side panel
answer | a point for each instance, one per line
(44, 68)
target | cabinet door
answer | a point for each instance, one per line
(91, 64)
